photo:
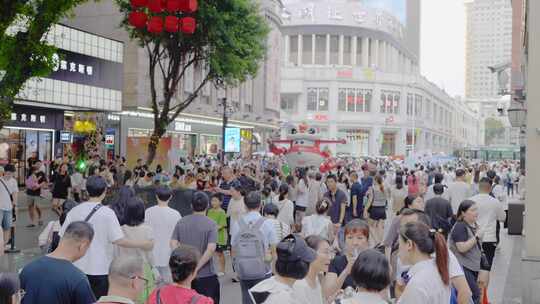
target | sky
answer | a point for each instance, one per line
(442, 54)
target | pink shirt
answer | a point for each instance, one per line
(178, 295)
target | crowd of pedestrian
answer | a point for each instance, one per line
(366, 232)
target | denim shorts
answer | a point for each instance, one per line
(6, 219)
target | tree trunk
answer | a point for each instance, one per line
(153, 145)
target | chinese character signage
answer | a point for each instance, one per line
(232, 140)
(385, 15)
(40, 118)
(87, 70)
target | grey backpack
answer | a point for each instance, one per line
(249, 252)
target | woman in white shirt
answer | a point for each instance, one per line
(302, 197)
(430, 279)
(319, 223)
(371, 273)
(285, 206)
(309, 290)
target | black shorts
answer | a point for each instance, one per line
(299, 208)
(221, 248)
(377, 213)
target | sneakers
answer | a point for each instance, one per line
(220, 274)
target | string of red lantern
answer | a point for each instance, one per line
(154, 21)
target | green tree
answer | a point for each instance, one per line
(494, 128)
(229, 41)
(23, 51)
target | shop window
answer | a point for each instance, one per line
(410, 105)
(390, 102)
(317, 99)
(354, 100)
(288, 103)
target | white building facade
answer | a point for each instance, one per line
(349, 71)
(488, 43)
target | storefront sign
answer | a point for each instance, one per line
(87, 70)
(109, 140)
(232, 140)
(180, 126)
(66, 137)
(345, 74)
(31, 117)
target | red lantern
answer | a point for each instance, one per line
(171, 24)
(137, 19)
(188, 25)
(155, 6)
(155, 25)
(173, 6)
(138, 3)
(188, 6)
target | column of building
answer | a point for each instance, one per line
(531, 260)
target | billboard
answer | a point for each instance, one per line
(397, 8)
(232, 140)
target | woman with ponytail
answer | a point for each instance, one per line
(429, 279)
(285, 206)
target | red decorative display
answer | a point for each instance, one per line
(138, 3)
(171, 24)
(188, 6)
(173, 6)
(155, 6)
(155, 25)
(188, 25)
(137, 19)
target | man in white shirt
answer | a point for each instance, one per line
(459, 190)
(8, 201)
(490, 210)
(162, 219)
(95, 263)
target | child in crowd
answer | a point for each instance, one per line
(218, 215)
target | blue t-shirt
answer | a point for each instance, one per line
(337, 200)
(51, 280)
(356, 190)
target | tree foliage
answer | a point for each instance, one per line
(228, 44)
(494, 128)
(24, 52)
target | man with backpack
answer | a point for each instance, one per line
(199, 231)
(254, 243)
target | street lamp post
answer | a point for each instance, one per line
(227, 111)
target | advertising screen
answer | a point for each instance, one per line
(397, 8)
(232, 140)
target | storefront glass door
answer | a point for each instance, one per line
(17, 145)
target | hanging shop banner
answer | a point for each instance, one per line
(232, 140)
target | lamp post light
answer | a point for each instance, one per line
(517, 114)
